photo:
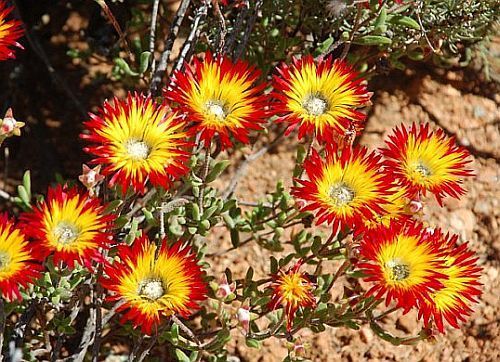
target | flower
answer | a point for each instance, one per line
(292, 290)
(319, 97)
(397, 209)
(9, 126)
(137, 140)
(10, 32)
(460, 288)
(225, 289)
(70, 225)
(403, 262)
(425, 160)
(19, 264)
(345, 189)
(90, 177)
(154, 287)
(220, 98)
(244, 316)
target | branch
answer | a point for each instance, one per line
(193, 36)
(152, 34)
(250, 24)
(169, 43)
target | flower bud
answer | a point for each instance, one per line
(244, 317)
(225, 289)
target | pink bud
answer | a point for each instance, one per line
(225, 289)
(416, 206)
(8, 125)
(90, 177)
(244, 318)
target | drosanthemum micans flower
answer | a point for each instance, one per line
(154, 282)
(10, 32)
(137, 140)
(19, 260)
(319, 97)
(425, 160)
(292, 290)
(220, 97)
(70, 225)
(346, 188)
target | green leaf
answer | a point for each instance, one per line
(235, 237)
(23, 194)
(27, 182)
(112, 206)
(218, 168)
(324, 46)
(252, 343)
(379, 23)
(181, 356)
(144, 61)
(404, 21)
(124, 67)
(373, 40)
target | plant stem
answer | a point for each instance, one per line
(152, 34)
(2, 325)
(185, 328)
(206, 168)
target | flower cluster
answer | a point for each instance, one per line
(140, 144)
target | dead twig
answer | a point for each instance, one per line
(193, 36)
(152, 34)
(169, 43)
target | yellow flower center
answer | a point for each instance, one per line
(423, 169)
(341, 194)
(138, 150)
(216, 109)
(66, 233)
(398, 269)
(4, 260)
(315, 104)
(152, 289)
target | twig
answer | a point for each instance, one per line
(243, 168)
(228, 48)
(339, 272)
(169, 43)
(152, 34)
(206, 167)
(38, 49)
(107, 11)
(422, 29)
(98, 294)
(2, 325)
(250, 24)
(193, 36)
(223, 29)
(386, 313)
(186, 329)
(140, 203)
(354, 30)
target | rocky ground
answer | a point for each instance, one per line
(444, 101)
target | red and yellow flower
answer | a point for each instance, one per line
(425, 160)
(137, 140)
(10, 32)
(319, 98)
(19, 261)
(292, 290)
(395, 210)
(70, 225)
(220, 97)
(154, 282)
(452, 303)
(346, 189)
(403, 263)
